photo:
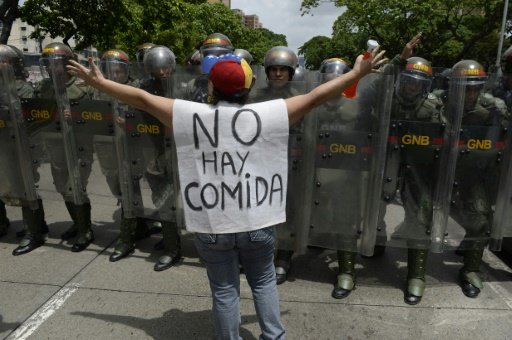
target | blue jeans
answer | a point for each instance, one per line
(222, 254)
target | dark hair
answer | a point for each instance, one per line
(238, 98)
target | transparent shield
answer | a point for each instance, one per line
(18, 172)
(479, 157)
(342, 164)
(292, 234)
(374, 94)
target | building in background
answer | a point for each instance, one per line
(225, 2)
(251, 20)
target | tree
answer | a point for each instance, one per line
(317, 49)
(87, 21)
(9, 12)
(125, 24)
(452, 29)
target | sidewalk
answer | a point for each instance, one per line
(52, 293)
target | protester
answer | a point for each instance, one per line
(244, 234)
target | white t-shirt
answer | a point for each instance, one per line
(232, 163)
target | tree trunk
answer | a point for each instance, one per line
(9, 12)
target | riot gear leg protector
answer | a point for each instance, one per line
(416, 269)
(283, 264)
(34, 237)
(345, 283)
(73, 229)
(4, 221)
(172, 246)
(125, 245)
(470, 281)
(83, 224)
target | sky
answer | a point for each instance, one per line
(283, 17)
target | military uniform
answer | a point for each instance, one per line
(53, 142)
(476, 173)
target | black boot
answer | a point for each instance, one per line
(470, 281)
(72, 231)
(282, 265)
(4, 221)
(84, 229)
(416, 270)
(345, 282)
(172, 244)
(34, 237)
(125, 244)
(44, 229)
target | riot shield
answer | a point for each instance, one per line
(149, 158)
(17, 171)
(342, 163)
(374, 96)
(478, 157)
(70, 165)
(292, 235)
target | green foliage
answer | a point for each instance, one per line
(452, 30)
(125, 24)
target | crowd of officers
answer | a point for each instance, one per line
(328, 213)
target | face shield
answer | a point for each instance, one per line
(115, 70)
(410, 87)
(53, 66)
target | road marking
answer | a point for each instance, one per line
(27, 328)
(502, 292)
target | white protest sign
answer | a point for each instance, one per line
(233, 164)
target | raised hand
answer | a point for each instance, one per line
(91, 76)
(409, 47)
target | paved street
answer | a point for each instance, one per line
(53, 293)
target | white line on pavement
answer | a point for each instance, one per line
(27, 328)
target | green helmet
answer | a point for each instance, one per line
(414, 82)
(56, 52)
(468, 72)
(115, 64)
(216, 44)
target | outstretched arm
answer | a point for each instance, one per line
(160, 107)
(298, 106)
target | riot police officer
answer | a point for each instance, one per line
(337, 211)
(115, 64)
(504, 88)
(56, 55)
(33, 219)
(411, 169)
(215, 44)
(160, 64)
(280, 63)
(477, 168)
(138, 67)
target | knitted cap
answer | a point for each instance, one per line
(231, 77)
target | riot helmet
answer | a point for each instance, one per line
(281, 56)
(159, 62)
(299, 74)
(55, 54)
(216, 44)
(471, 75)
(141, 50)
(332, 68)
(14, 57)
(414, 82)
(115, 64)
(194, 58)
(506, 61)
(239, 52)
